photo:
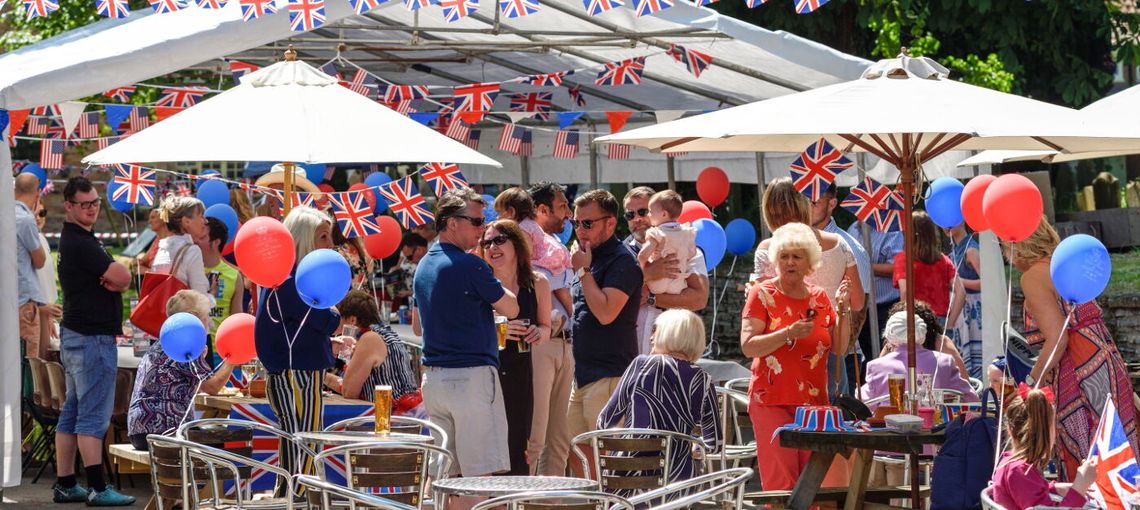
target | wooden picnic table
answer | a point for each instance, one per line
(825, 445)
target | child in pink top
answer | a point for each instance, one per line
(547, 253)
(1018, 483)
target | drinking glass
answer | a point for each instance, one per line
(896, 386)
(523, 346)
(383, 403)
(501, 330)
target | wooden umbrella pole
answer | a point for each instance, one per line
(907, 169)
(287, 200)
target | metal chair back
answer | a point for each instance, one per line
(404, 424)
(167, 477)
(739, 439)
(216, 466)
(317, 486)
(988, 502)
(398, 469)
(630, 459)
(725, 487)
(236, 437)
(557, 500)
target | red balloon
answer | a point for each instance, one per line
(972, 202)
(326, 187)
(235, 339)
(712, 186)
(693, 210)
(264, 251)
(369, 197)
(1013, 206)
(387, 241)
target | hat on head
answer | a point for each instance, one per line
(276, 175)
(895, 330)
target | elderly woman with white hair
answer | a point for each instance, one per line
(789, 329)
(178, 254)
(666, 390)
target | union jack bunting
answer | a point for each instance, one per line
(538, 102)
(182, 97)
(816, 167)
(576, 95)
(212, 4)
(253, 9)
(624, 72)
(353, 215)
(472, 140)
(443, 176)
(48, 111)
(239, 69)
(51, 153)
(644, 7)
(566, 144)
(298, 199)
(1116, 467)
(140, 118)
(596, 7)
(695, 61)
(39, 8)
(121, 93)
(809, 6)
(455, 10)
(167, 6)
(518, 8)
(88, 125)
(363, 6)
(362, 83)
(752, 4)
(511, 138)
(866, 198)
(136, 184)
(546, 80)
(415, 5)
(305, 15)
(617, 151)
(183, 190)
(112, 8)
(406, 202)
(477, 97)
(401, 93)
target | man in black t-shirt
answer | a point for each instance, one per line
(92, 284)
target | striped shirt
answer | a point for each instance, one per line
(395, 371)
(884, 247)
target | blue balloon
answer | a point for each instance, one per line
(741, 236)
(1080, 268)
(567, 231)
(376, 179)
(119, 205)
(944, 202)
(212, 192)
(227, 215)
(489, 212)
(210, 171)
(323, 278)
(314, 172)
(36, 170)
(183, 337)
(711, 240)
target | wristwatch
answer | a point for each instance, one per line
(651, 299)
(1029, 380)
(582, 272)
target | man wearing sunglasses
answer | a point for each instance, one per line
(455, 293)
(694, 297)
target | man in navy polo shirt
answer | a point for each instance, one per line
(455, 293)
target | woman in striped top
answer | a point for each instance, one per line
(379, 358)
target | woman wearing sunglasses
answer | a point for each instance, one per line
(506, 249)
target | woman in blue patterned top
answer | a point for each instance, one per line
(666, 390)
(164, 388)
(964, 253)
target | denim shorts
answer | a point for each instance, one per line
(90, 362)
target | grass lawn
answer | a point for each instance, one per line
(1125, 273)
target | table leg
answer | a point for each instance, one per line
(859, 475)
(915, 497)
(812, 477)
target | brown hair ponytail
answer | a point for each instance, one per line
(1029, 421)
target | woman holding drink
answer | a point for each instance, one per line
(506, 249)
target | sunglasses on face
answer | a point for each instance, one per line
(643, 212)
(86, 205)
(42, 213)
(587, 224)
(498, 240)
(475, 222)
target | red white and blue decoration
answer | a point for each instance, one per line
(1116, 467)
(443, 176)
(566, 144)
(752, 4)
(353, 215)
(819, 419)
(136, 185)
(695, 61)
(401, 93)
(122, 94)
(865, 198)
(181, 97)
(253, 9)
(518, 8)
(477, 97)
(624, 72)
(816, 167)
(406, 202)
(212, 4)
(112, 8)
(546, 79)
(576, 96)
(809, 6)
(888, 218)
(596, 7)
(510, 140)
(618, 151)
(306, 15)
(415, 5)
(167, 6)
(538, 102)
(239, 69)
(362, 83)
(455, 10)
(39, 8)
(51, 153)
(645, 7)
(363, 6)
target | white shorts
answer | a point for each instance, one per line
(468, 404)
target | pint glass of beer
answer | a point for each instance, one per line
(896, 385)
(383, 403)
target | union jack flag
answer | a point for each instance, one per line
(166, 6)
(51, 153)
(112, 8)
(88, 125)
(695, 61)
(816, 167)
(121, 93)
(443, 176)
(49, 110)
(477, 97)
(889, 217)
(239, 69)
(298, 199)
(363, 6)
(643, 7)
(406, 202)
(866, 198)
(472, 140)
(140, 118)
(183, 190)
(305, 15)
(353, 215)
(518, 8)
(136, 184)
(511, 138)
(182, 97)
(253, 9)
(212, 4)
(455, 10)
(401, 93)
(538, 102)
(596, 7)
(362, 83)
(546, 80)
(617, 151)
(624, 72)
(809, 6)
(40, 8)
(752, 4)
(566, 144)
(415, 5)
(576, 95)
(1116, 468)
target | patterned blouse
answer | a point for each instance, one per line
(164, 389)
(395, 371)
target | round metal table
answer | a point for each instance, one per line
(495, 486)
(342, 437)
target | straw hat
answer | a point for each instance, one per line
(276, 178)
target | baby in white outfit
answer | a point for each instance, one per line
(667, 237)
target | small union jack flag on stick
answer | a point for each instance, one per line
(353, 215)
(122, 94)
(443, 176)
(866, 198)
(624, 72)
(455, 10)
(406, 202)
(596, 7)
(305, 15)
(253, 9)
(695, 61)
(136, 184)
(182, 97)
(1116, 470)
(112, 8)
(51, 153)
(889, 217)
(816, 167)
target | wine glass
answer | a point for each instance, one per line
(249, 371)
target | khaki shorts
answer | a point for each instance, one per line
(468, 404)
(586, 404)
(30, 329)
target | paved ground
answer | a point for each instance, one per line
(38, 495)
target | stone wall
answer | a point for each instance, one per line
(1121, 315)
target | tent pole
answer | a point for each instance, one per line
(593, 157)
(670, 172)
(524, 170)
(761, 183)
(10, 361)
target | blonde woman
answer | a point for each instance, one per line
(185, 218)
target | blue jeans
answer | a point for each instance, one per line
(90, 362)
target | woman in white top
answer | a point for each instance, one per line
(50, 311)
(185, 217)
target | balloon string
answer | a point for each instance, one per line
(197, 389)
(294, 337)
(1005, 349)
(946, 321)
(716, 304)
(1052, 352)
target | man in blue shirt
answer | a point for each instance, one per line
(455, 293)
(884, 247)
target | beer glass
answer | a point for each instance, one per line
(523, 346)
(501, 330)
(896, 385)
(383, 403)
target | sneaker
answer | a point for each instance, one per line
(73, 494)
(109, 497)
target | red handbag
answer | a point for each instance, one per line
(155, 290)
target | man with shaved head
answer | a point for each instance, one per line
(30, 256)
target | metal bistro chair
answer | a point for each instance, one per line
(631, 459)
(318, 486)
(737, 446)
(236, 437)
(181, 468)
(404, 424)
(722, 486)
(557, 500)
(399, 468)
(988, 502)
